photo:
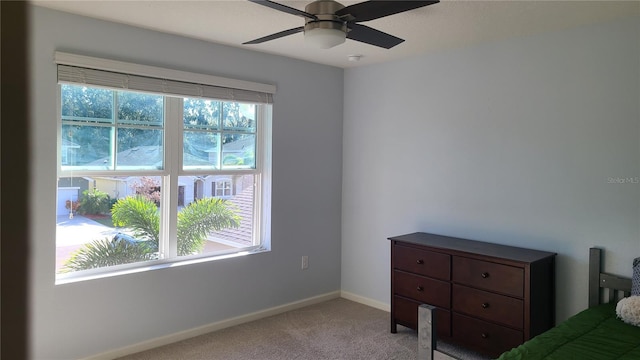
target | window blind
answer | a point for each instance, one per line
(77, 69)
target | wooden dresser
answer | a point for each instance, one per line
(489, 297)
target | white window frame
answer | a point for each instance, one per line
(173, 156)
(224, 182)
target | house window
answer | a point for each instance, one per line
(222, 188)
(145, 152)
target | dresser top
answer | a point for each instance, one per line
(473, 246)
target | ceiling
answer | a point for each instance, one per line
(448, 24)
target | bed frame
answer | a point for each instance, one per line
(603, 288)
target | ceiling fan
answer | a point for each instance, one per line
(328, 23)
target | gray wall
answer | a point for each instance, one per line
(87, 318)
(510, 142)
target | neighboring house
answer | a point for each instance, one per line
(243, 234)
(236, 151)
(119, 186)
(69, 188)
(237, 189)
(190, 187)
(149, 155)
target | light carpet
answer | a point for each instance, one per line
(338, 329)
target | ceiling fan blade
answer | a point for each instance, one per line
(371, 10)
(275, 36)
(284, 8)
(372, 36)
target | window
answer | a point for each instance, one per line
(222, 188)
(134, 157)
(113, 130)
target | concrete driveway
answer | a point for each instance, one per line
(71, 234)
(80, 230)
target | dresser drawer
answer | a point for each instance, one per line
(486, 275)
(423, 262)
(423, 289)
(488, 306)
(483, 336)
(405, 312)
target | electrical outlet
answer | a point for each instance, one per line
(305, 262)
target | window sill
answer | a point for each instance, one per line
(62, 279)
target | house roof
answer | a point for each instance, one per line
(149, 155)
(69, 144)
(239, 145)
(244, 233)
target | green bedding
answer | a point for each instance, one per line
(595, 333)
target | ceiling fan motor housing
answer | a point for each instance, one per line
(325, 12)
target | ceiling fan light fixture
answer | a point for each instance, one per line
(328, 23)
(324, 38)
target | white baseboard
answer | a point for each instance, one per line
(219, 325)
(366, 301)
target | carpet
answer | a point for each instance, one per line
(338, 329)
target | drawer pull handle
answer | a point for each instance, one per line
(485, 305)
(419, 261)
(420, 288)
(484, 335)
(485, 275)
